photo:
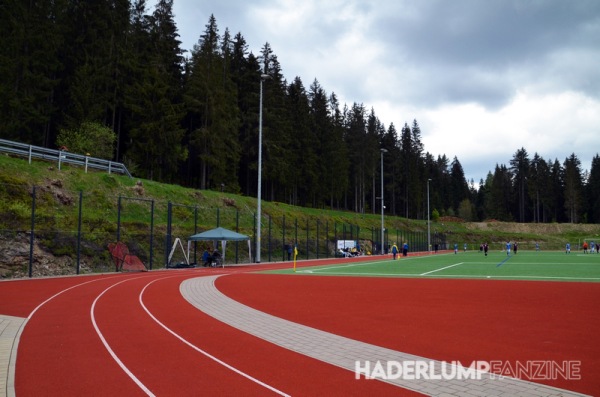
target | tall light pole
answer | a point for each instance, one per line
(428, 222)
(263, 77)
(382, 204)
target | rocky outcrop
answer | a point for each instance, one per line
(14, 259)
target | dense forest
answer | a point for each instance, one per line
(193, 119)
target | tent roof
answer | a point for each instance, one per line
(219, 234)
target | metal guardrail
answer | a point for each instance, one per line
(61, 156)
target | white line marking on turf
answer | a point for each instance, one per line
(325, 268)
(437, 270)
(519, 277)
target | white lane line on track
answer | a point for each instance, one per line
(11, 379)
(107, 346)
(60, 293)
(239, 372)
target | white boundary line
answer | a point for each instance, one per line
(437, 270)
(343, 266)
(519, 277)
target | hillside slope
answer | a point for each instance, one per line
(136, 211)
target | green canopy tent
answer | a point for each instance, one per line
(223, 235)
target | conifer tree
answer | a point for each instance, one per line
(593, 191)
(391, 167)
(556, 188)
(355, 139)
(459, 190)
(573, 188)
(212, 103)
(31, 39)
(278, 168)
(520, 170)
(340, 164)
(156, 102)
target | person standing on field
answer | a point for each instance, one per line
(394, 250)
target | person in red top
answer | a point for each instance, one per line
(585, 247)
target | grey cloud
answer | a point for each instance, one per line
(463, 43)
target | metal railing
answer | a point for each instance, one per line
(61, 157)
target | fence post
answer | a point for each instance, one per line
(317, 240)
(32, 232)
(373, 242)
(327, 241)
(269, 247)
(119, 219)
(237, 229)
(196, 231)
(254, 232)
(283, 238)
(168, 236)
(296, 232)
(335, 234)
(151, 232)
(79, 232)
(307, 245)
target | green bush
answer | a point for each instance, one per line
(90, 138)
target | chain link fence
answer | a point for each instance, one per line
(48, 230)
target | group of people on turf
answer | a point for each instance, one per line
(591, 247)
(484, 247)
(396, 251)
(515, 247)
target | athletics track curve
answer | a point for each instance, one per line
(61, 350)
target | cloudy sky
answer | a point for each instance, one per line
(483, 78)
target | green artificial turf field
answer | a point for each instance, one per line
(526, 265)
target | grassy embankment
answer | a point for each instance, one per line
(58, 199)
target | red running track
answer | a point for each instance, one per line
(134, 334)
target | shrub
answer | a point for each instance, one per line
(90, 138)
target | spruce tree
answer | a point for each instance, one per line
(156, 101)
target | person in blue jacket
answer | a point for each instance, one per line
(394, 250)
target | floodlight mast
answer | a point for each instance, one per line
(263, 77)
(382, 205)
(428, 221)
